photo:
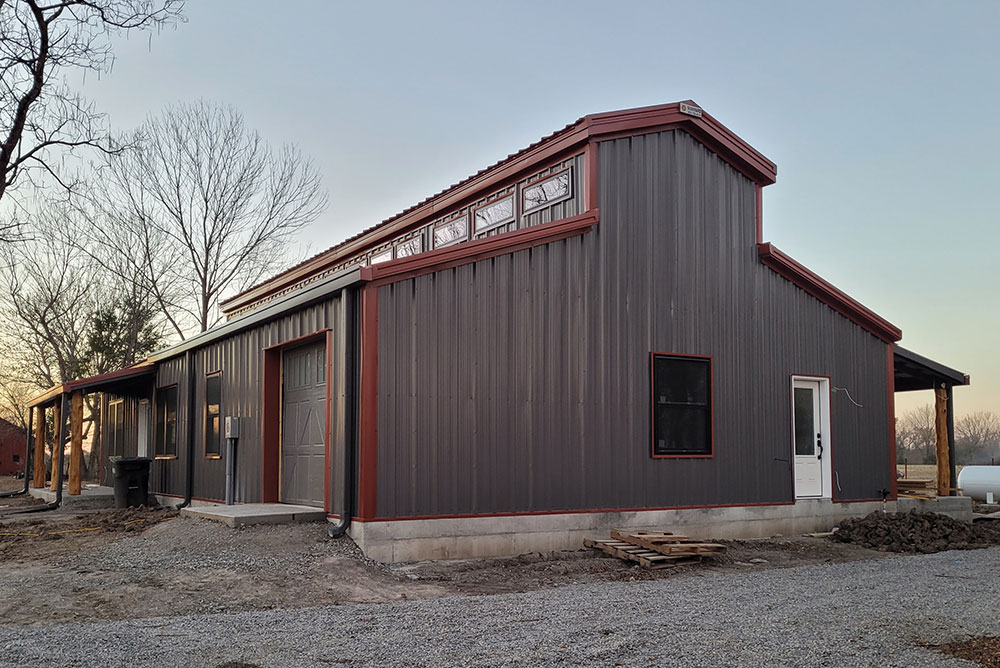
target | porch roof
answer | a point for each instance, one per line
(916, 372)
(144, 368)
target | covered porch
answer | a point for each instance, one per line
(64, 403)
(913, 372)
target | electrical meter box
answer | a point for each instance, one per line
(232, 426)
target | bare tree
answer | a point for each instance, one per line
(40, 116)
(975, 433)
(201, 207)
(916, 436)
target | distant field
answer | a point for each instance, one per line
(922, 471)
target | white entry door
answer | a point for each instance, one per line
(811, 447)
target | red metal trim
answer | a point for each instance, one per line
(368, 436)
(328, 434)
(858, 500)
(706, 129)
(305, 338)
(529, 513)
(891, 373)
(711, 406)
(828, 294)
(590, 163)
(480, 249)
(759, 213)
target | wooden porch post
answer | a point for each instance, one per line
(56, 445)
(75, 443)
(941, 429)
(39, 459)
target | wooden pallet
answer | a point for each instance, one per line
(655, 549)
(668, 543)
(644, 557)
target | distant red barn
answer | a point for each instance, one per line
(11, 448)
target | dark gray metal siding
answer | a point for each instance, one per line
(240, 359)
(521, 383)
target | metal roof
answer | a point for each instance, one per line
(916, 372)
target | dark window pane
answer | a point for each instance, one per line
(213, 401)
(321, 366)
(681, 380)
(805, 428)
(166, 422)
(682, 412)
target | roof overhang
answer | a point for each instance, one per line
(94, 383)
(307, 295)
(685, 115)
(915, 372)
(824, 291)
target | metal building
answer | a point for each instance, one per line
(589, 333)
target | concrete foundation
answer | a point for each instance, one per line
(91, 497)
(416, 540)
(255, 513)
(959, 507)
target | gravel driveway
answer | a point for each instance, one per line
(868, 613)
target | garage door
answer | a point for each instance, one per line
(303, 423)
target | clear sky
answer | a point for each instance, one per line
(883, 119)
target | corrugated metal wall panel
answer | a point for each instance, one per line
(521, 383)
(240, 359)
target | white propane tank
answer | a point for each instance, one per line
(975, 481)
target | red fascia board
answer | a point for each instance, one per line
(480, 249)
(705, 128)
(828, 294)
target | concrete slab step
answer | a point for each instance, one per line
(91, 497)
(256, 513)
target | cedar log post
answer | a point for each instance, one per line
(941, 429)
(76, 443)
(56, 445)
(39, 459)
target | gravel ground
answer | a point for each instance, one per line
(864, 613)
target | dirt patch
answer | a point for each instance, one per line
(984, 650)
(143, 563)
(916, 532)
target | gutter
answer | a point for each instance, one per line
(352, 441)
(189, 482)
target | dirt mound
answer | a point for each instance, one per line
(916, 532)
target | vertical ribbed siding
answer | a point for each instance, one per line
(521, 383)
(240, 359)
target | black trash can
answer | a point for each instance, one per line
(131, 481)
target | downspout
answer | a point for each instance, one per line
(351, 442)
(61, 442)
(27, 458)
(189, 483)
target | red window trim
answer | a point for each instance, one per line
(442, 223)
(711, 406)
(568, 169)
(512, 196)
